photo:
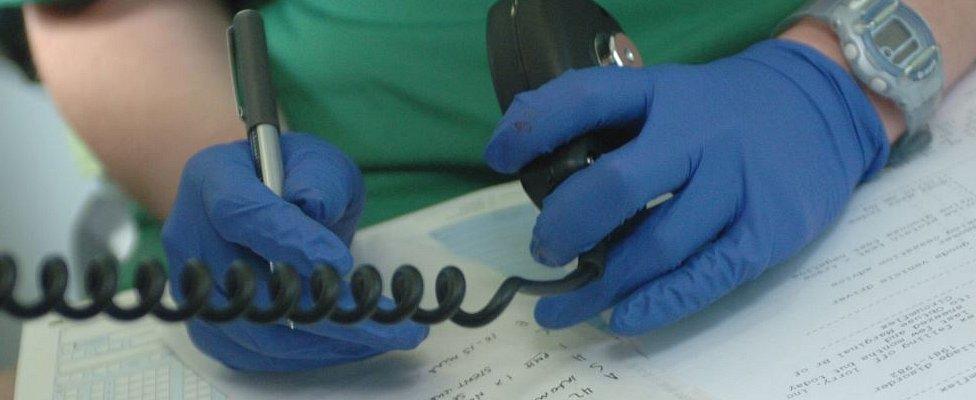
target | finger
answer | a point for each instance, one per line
(671, 233)
(323, 182)
(704, 278)
(576, 102)
(218, 345)
(591, 203)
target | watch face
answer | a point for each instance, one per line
(895, 42)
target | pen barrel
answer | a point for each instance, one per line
(266, 150)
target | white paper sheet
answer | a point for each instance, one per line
(881, 308)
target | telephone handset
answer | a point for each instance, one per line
(531, 42)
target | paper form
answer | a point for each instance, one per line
(881, 307)
(104, 361)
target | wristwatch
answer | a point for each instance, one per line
(892, 51)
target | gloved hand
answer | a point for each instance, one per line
(762, 151)
(224, 213)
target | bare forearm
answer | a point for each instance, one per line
(144, 83)
(954, 30)
(7, 379)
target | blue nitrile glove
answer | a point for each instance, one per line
(762, 151)
(224, 213)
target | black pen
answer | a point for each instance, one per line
(256, 104)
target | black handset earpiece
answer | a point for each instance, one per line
(531, 42)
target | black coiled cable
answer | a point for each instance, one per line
(285, 288)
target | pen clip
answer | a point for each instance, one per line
(251, 70)
(236, 80)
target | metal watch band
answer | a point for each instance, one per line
(917, 98)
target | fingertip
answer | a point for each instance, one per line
(631, 318)
(557, 237)
(545, 255)
(569, 309)
(549, 313)
(343, 263)
(497, 152)
(623, 327)
(404, 335)
(554, 241)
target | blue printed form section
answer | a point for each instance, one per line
(498, 239)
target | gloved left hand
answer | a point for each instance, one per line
(762, 151)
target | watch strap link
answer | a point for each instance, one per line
(917, 110)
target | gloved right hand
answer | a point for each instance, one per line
(223, 213)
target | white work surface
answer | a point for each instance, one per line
(881, 308)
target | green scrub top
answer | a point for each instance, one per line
(403, 86)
